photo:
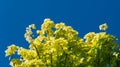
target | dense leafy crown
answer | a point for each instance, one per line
(58, 45)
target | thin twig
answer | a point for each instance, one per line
(37, 51)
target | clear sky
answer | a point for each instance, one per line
(84, 15)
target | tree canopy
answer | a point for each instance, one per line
(58, 45)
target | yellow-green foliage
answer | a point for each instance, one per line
(58, 45)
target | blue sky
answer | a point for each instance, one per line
(84, 15)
